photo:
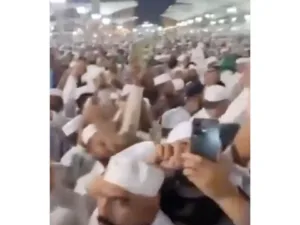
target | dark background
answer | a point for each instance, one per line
(147, 10)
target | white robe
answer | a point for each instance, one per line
(201, 114)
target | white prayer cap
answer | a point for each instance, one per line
(92, 72)
(192, 67)
(114, 96)
(242, 60)
(163, 78)
(162, 58)
(140, 151)
(56, 92)
(173, 117)
(126, 89)
(215, 93)
(181, 58)
(72, 64)
(223, 50)
(182, 131)
(88, 132)
(134, 176)
(86, 89)
(72, 126)
(211, 59)
(178, 84)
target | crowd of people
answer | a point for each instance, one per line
(121, 127)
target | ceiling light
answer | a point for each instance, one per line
(233, 28)
(159, 28)
(119, 27)
(95, 35)
(96, 16)
(247, 17)
(221, 21)
(74, 33)
(190, 21)
(213, 22)
(205, 30)
(212, 16)
(106, 21)
(198, 19)
(231, 10)
(207, 16)
(82, 10)
(233, 19)
(134, 30)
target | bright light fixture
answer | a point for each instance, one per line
(147, 24)
(96, 16)
(119, 27)
(205, 30)
(159, 28)
(233, 28)
(231, 10)
(134, 30)
(57, 1)
(95, 35)
(212, 16)
(74, 33)
(190, 21)
(82, 10)
(106, 21)
(207, 16)
(213, 22)
(247, 17)
(233, 19)
(198, 19)
(221, 21)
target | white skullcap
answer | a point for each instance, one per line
(56, 92)
(72, 126)
(242, 60)
(211, 59)
(192, 67)
(178, 84)
(162, 57)
(223, 50)
(163, 78)
(72, 64)
(88, 132)
(215, 93)
(126, 89)
(92, 72)
(182, 131)
(173, 117)
(114, 96)
(177, 69)
(134, 176)
(181, 58)
(86, 89)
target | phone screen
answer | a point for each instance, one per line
(209, 138)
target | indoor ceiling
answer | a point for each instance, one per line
(187, 9)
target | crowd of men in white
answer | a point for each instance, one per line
(120, 135)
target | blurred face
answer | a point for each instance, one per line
(211, 77)
(56, 103)
(118, 207)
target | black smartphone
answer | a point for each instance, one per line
(209, 138)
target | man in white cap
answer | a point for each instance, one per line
(127, 194)
(215, 102)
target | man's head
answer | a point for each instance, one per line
(215, 101)
(56, 101)
(194, 96)
(127, 194)
(212, 75)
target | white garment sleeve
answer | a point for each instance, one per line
(69, 89)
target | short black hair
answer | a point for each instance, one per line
(194, 88)
(172, 62)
